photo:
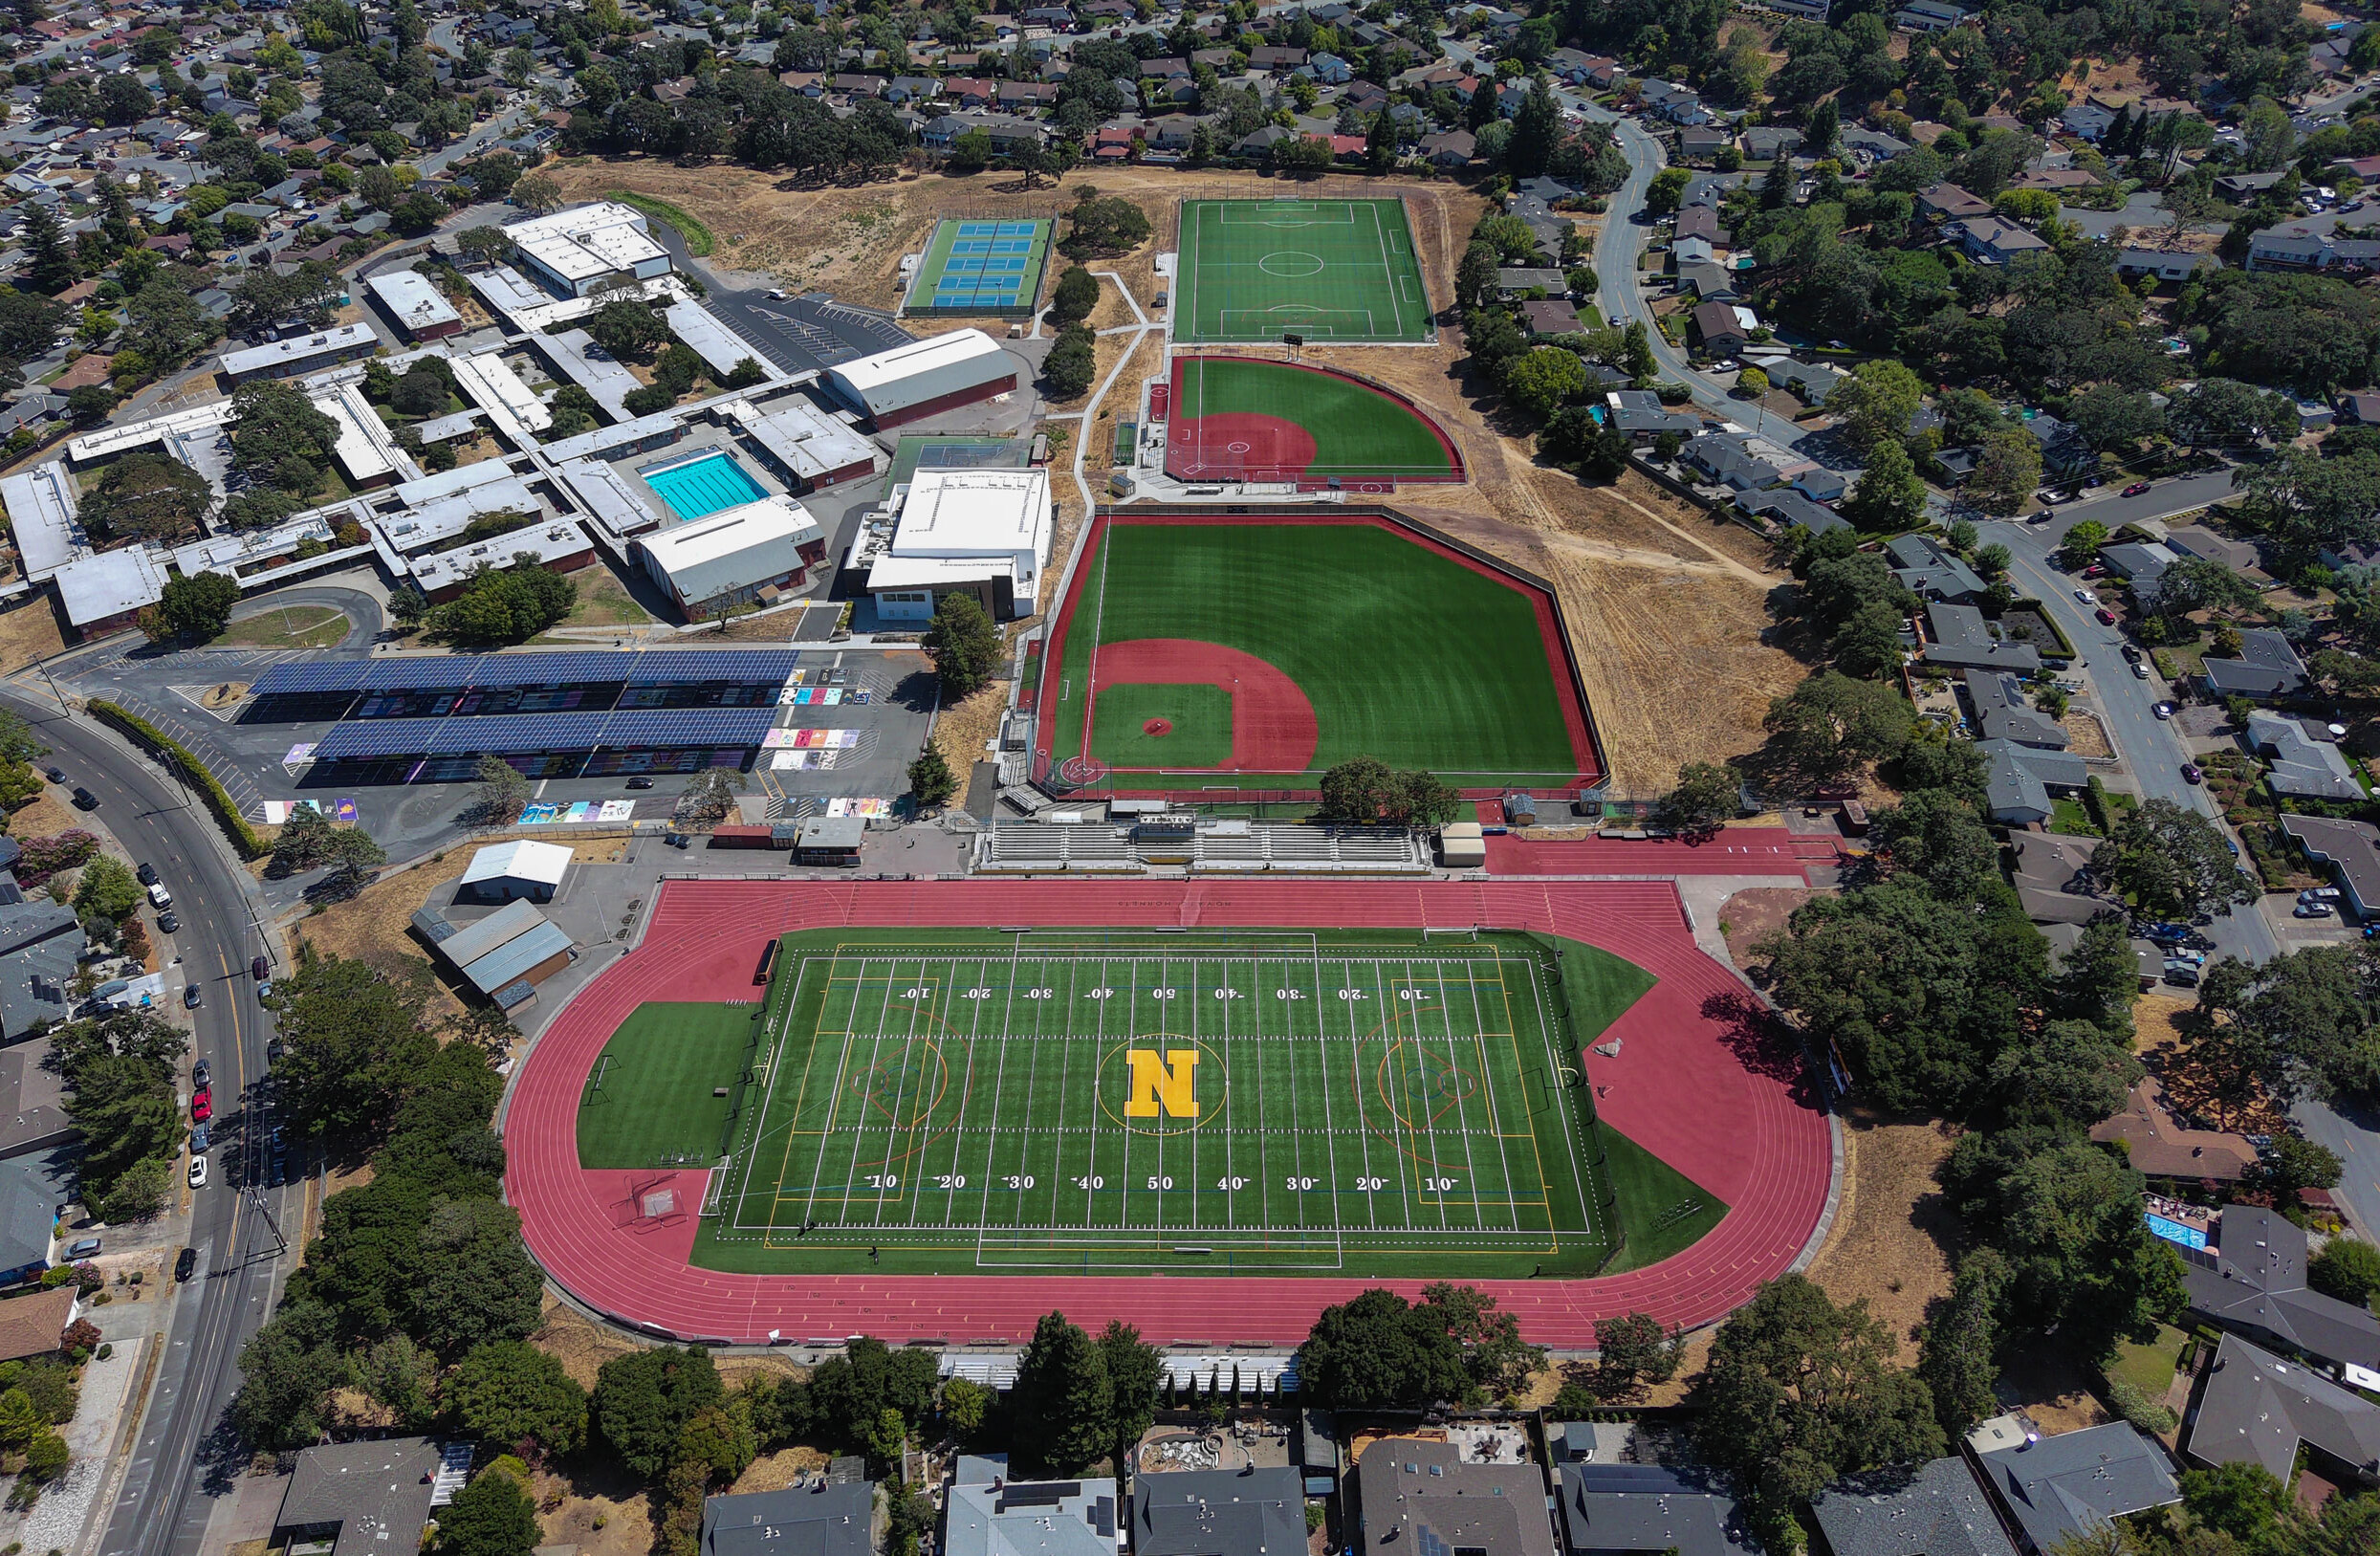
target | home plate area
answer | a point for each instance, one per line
(1238, 446)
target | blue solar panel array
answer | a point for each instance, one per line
(657, 666)
(502, 734)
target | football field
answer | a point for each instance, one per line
(1371, 1103)
(1335, 272)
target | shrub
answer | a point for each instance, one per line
(2145, 1414)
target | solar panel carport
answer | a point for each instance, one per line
(660, 667)
(525, 734)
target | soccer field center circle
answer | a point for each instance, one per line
(1702, 1081)
(1246, 419)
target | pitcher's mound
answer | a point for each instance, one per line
(1156, 727)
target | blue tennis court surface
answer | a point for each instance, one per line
(703, 486)
(982, 267)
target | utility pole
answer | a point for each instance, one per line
(256, 1201)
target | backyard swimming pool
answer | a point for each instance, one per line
(2189, 1236)
(703, 485)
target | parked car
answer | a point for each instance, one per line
(2140, 671)
(202, 1074)
(85, 800)
(198, 1171)
(56, 775)
(2086, 597)
(160, 897)
(83, 1249)
(2131, 653)
(168, 921)
(2313, 909)
(2095, 570)
(272, 1050)
(2136, 488)
(202, 1105)
(2163, 710)
(198, 1141)
(192, 997)
(777, 295)
(2318, 893)
(2107, 617)
(186, 1263)
(2192, 773)
(640, 783)
(257, 968)
(2182, 977)
(148, 872)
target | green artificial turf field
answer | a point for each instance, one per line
(1358, 431)
(1406, 654)
(1337, 271)
(1200, 717)
(648, 1098)
(1355, 1101)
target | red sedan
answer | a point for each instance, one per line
(2107, 617)
(2136, 488)
(202, 1105)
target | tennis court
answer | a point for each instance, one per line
(1336, 272)
(982, 269)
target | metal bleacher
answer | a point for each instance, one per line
(1215, 848)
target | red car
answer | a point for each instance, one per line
(202, 1105)
(2107, 617)
(2192, 773)
(2136, 488)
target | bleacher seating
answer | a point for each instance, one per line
(1236, 849)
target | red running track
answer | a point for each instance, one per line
(1702, 1080)
(1764, 850)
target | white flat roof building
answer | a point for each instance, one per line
(488, 381)
(984, 531)
(696, 326)
(583, 363)
(506, 871)
(110, 441)
(299, 354)
(730, 557)
(815, 447)
(580, 249)
(364, 447)
(557, 542)
(919, 379)
(41, 505)
(104, 592)
(417, 305)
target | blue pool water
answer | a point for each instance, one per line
(703, 486)
(2189, 1236)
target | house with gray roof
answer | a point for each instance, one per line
(1417, 1495)
(987, 1514)
(1959, 638)
(41, 945)
(1812, 382)
(2001, 712)
(2257, 1409)
(2253, 1283)
(2267, 669)
(2054, 1489)
(1198, 1512)
(1936, 1509)
(1611, 1509)
(825, 1518)
(2141, 566)
(2352, 851)
(2020, 783)
(1932, 573)
(1788, 507)
(2063, 449)
(2302, 765)
(29, 1209)
(359, 1498)
(1709, 280)
(1735, 459)
(1643, 417)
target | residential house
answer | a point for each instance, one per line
(2059, 1488)
(1959, 638)
(1330, 69)
(1820, 484)
(1722, 329)
(2087, 121)
(2063, 449)
(2268, 669)
(362, 1498)
(1947, 202)
(2352, 851)
(1874, 145)
(826, 1517)
(1517, 281)
(2305, 759)
(1928, 16)
(2001, 712)
(988, 1514)
(1699, 221)
(1450, 148)
(1199, 1512)
(1273, 60)
(1790, 510)
(2235, 555)
(1545, 319)
(2360, 408)
(1701, 144)
(1932, 573)
(1621, 1509)
(2257, 1409)
(2141, 565)
(2154, 1142)
(1931, 1509)
(1765, 142)
(2240, 189)
(2165, 266)
(2020, 783)
(1737, 460)
(1413, 1495)
(1994, 240)
(1643, 417)
(2252, 1281)
(1708, 280)
(41, 949)
(1810, 382)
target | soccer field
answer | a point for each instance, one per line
(1342, 272)
(1371, 1103)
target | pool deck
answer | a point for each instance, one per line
(706, 443)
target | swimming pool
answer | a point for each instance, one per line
(703, 485)
(2189, 1236)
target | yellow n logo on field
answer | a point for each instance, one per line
(1167, 1086)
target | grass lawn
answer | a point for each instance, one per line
(1200, 716)
(657, 1077)
(1336, 1102)
(698, 239)
(2069, 816)
(1357, 431)
(1599, 986)
(603, 601)
(293, 626)
(2149, 1367)
(1406, 655)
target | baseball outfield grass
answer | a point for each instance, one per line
(1358, 433)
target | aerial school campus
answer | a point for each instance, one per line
(1212, 1100)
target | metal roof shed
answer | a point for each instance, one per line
(917, 380)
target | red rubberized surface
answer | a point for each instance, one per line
(1736, 851)
(1567, 684)
(1273, 725)
(1702, 1080)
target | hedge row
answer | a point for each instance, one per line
(243, 836)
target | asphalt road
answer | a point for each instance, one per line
(184, 1459)
(1618, 292)
(365, 616)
